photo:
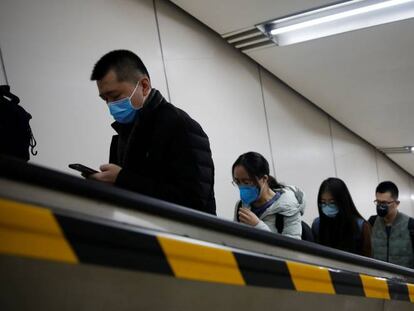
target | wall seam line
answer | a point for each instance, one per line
(3, 67)
(267, 122)
(161, 49)
(332, 146)
(376, 165)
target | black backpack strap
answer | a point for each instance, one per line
(360, 224)
(307, 232)
(360, 239)
(315, 229)
(279, 223)
(372, 219)
(411, 230)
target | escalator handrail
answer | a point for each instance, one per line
(20, 171)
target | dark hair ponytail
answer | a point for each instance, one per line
(273, 183)
(256, 166)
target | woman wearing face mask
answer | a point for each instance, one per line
(262, 197)
(339, 224)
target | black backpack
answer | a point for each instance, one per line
(15, 133)
(307, 234)
(410, 227)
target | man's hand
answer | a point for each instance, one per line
(108, 175)
(248, 217)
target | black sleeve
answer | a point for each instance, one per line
(315, 229)
(113, 151)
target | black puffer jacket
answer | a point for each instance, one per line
(165, 154)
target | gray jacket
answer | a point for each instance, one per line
(291, 205)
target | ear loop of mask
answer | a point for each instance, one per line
(133, 92)
(260, 187)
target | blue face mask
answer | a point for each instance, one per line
(249, 194)
(122, 109)
(329, 210)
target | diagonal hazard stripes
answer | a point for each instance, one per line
(32, 231)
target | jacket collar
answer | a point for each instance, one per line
(153, 101)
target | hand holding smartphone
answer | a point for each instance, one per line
(86, 171)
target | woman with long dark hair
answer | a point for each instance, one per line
(262, 198)
(339, 224)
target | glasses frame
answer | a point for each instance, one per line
(245, 182)
(376, 202)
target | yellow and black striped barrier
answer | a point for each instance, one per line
(32, 231)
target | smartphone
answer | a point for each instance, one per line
(86, 171)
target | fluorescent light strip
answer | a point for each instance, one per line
(338, 16)
(335, 19)
(391, 150)
(317, 11)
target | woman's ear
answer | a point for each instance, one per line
(265, 179)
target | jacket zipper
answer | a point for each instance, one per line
(388, 248)
(388, 232)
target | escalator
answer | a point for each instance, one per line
(73, 244)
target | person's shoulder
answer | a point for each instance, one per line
(406, 219)
(360, 220)
(403, 215)
(172, 116)
(372, 219)
(287, 193)
(315, 222)
(168, 110)
(167, 116)
(315, 228)
(362, 223)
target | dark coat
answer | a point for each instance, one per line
(165, 154)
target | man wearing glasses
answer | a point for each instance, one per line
(392, 232)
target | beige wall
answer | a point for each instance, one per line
(50, 46)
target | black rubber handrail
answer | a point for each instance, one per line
(36, 175)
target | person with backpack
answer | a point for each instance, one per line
(392, 232)
(339, 224)
(16, 137)
(262, 198)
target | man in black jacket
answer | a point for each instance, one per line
(159, 150)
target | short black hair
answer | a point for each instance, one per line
(388, 186)
(126, 64)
